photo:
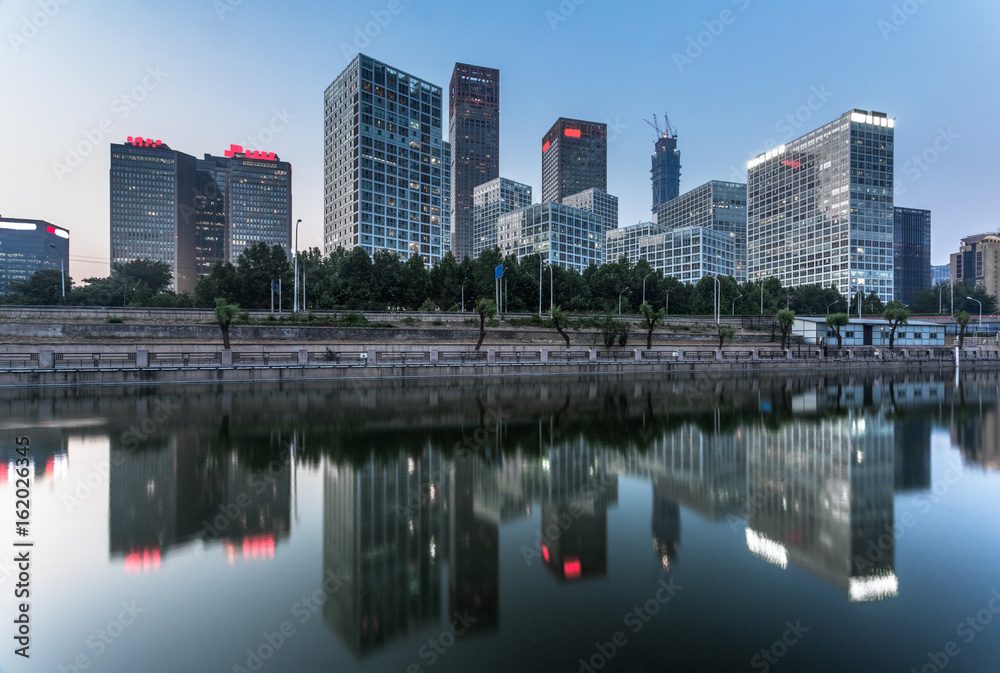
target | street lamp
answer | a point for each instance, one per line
(62, 271)
(980, 309)
(463, 296)
(295, 304)
(620, 299)
(734, 304)
(666, 308)
(717, 298)
(644, 286)
(829, 305)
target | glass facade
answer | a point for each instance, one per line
(625, 241)
(211, 201)
(911, 252)
(387, 175)
(720, 206)
(574, 158)
(690, 254)
(598, 201)
(489, 202)
(568, 237)
(666, 171)
(153, 209)
(260, 203)
(25, 249)
(474, 132)
(820, 208)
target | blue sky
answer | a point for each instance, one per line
(737, 77)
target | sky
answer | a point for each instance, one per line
(737, 77)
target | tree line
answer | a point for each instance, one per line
(354, 280)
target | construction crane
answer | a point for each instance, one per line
(667, 132)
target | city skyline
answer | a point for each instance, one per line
(274, 105)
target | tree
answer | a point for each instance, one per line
(649, 320)
(897, 315)
(155, 275)
(725, 332)
(962, 318)
(785, 318)
(486, 309)
(559, 318)
(609, 330)
(44, 287)
(836, 321)
(415, 281)
(224, 313)
(624, 327)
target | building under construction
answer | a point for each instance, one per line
(666, 169)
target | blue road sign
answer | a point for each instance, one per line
(498, 271)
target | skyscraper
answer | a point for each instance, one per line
(474, 132)
(387, 177)
(666, 170)
(260, 200)
(153, 209)
(27, 246)
(977, 263)
(820, 208)
(565, 236)
(574, 158)
(716, 205)
(211, 200)
(911, 252)
(596, 201)
(489, 201)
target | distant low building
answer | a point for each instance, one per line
(27, 246)
(977, 263)
(869, 332)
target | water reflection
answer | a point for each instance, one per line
(419, 482)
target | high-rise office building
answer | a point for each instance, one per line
(259, 200)
(474, 132)
(211, 202)
(625, 241)
(666, 170)
(574, 158)
(911, 252)
(153, 207)
(489, 201)
(598, 201)
(977, 263)
(691, 253)
(27, 246)
(716, 205)
(820, 208)
(568, 237)
(387, 175)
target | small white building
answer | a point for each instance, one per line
(869, 332)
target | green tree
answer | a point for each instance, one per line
(962, 318)
(225, 313)
(256, 267)
(486, 308)
(415, 282)
(560, 318)
(785, 318)
(725, 332)
(650, 318)
(896, 315)
(836, 321)
(387, 280)
(43, 288)
(155, 275)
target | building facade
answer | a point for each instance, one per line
(977, 263)
(153, 208)
(820, 208)
(870, 332)
(598, 201)
(720, 206)
(474, 133)
(489, 202)
(911, 252)
(941, 273)
(690, 254)
(565, 236)
(387, 170)
(27, 246)
(574, 158)
(211, 201)
(666, 171)
(259, 200)
(625, 241)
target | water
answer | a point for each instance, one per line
(783, 524)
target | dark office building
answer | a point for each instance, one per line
(26, 247)
(211, 202)
(911, 252)
(666, 170)
(474, 133)
(259, 200)
(574, 158)
(153, 207)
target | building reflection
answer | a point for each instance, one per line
(48, 456)
(977, 435)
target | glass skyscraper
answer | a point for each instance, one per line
(574, 158)
(720, 206)
(387, 176)
(474, 132)
(26, 247)
(212, 205)
(596, 201)
(666, 170)
(911, 252)
(820, 208)
(489, 202)
(568, 237)
(259, 200)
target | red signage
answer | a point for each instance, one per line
(545, 147)
(139, 141)
(794, 165)
(250, 154)
(142, 561)
(50, 229)
(572, 133)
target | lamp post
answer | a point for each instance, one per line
(644, 286)
(762, 298)
(551, 285)
(734, 304)
(620, 299)
(463, 296)
(717, 298)
(980, 309)
(829, 305)
(940, 295)
(62, 271)
(666, 308)
(295, 304)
